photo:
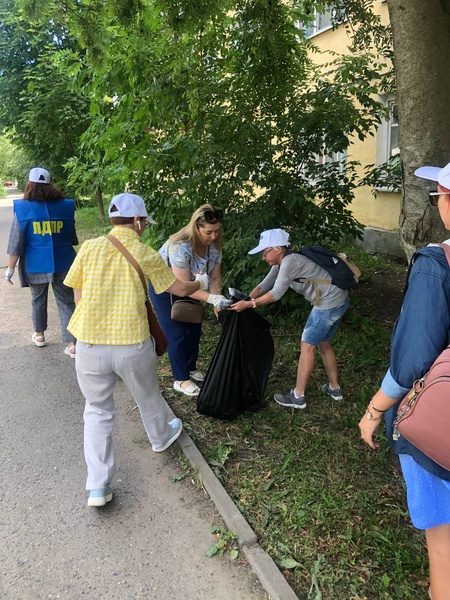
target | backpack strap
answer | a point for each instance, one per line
(446, 249)
(316, 283)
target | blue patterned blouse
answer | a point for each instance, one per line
(181, 255)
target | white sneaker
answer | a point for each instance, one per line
(177, 428)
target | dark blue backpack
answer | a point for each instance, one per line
(343, 272)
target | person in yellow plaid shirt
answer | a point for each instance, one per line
(111, 326)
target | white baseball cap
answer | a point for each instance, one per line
(129, 205)
(441, 175)
(38, 175)
(271, 238)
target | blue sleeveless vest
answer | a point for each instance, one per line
(47, 228)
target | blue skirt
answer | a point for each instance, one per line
(428, 496)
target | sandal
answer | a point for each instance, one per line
(39, 340)
(197, 376)
(190, 390)
(71, 351)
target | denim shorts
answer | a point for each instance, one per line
(322, 324)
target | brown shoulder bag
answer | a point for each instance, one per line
(155, 327)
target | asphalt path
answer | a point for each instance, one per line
(149, 543)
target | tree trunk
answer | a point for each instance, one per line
(421, 34)
(99, 196)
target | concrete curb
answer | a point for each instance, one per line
(262, 565)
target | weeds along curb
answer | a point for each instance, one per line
(262, 565)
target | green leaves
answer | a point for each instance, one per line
(186, 103)
(43, 115)
(225, 540)
(288, 563)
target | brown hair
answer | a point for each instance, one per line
(40, 192)
(121, 220)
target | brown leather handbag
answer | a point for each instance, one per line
(155, 327)
(423, 416)
(187, 310)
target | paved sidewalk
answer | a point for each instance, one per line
(150, 542)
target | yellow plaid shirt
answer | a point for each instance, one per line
(112, 308)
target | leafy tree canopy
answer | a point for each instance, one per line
(216, 102)
(38, 107)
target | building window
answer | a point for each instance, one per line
(334, 157)
(387, 134)
(393, 144)
(324, 162)
(388, 146)
(323, 21)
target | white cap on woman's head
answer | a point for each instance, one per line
(38, 175)
(271, 238)
(441, 175)
(129, 205)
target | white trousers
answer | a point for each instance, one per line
(97, 368)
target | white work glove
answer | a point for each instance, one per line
(219, 301)
(204, 281)
(8, 274)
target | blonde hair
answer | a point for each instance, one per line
(190, 232)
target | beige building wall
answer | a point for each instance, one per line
(383, 209)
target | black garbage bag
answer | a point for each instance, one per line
(239, 369)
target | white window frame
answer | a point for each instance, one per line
(316, 26)
(323, 159)
(384, 136)
(341, 157)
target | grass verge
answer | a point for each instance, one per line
(330, 512)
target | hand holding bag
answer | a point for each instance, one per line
(155, 328)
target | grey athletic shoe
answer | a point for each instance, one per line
(100, 496)
(288, 399)
(335, 394)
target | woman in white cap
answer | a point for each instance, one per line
(196, 248)
(329, 303)
(41, 240)
(114, 338)
(421, 333)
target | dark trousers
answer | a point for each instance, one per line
(183, 339)
(64, 301)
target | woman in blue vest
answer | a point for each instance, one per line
(41, 240)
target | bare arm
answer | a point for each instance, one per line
(186, 288)
(215, 284)
(256, 293)
(77, 295)
(260, 300)
(184, 276)
(369, 424)
(12, 261)
(215, 280)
